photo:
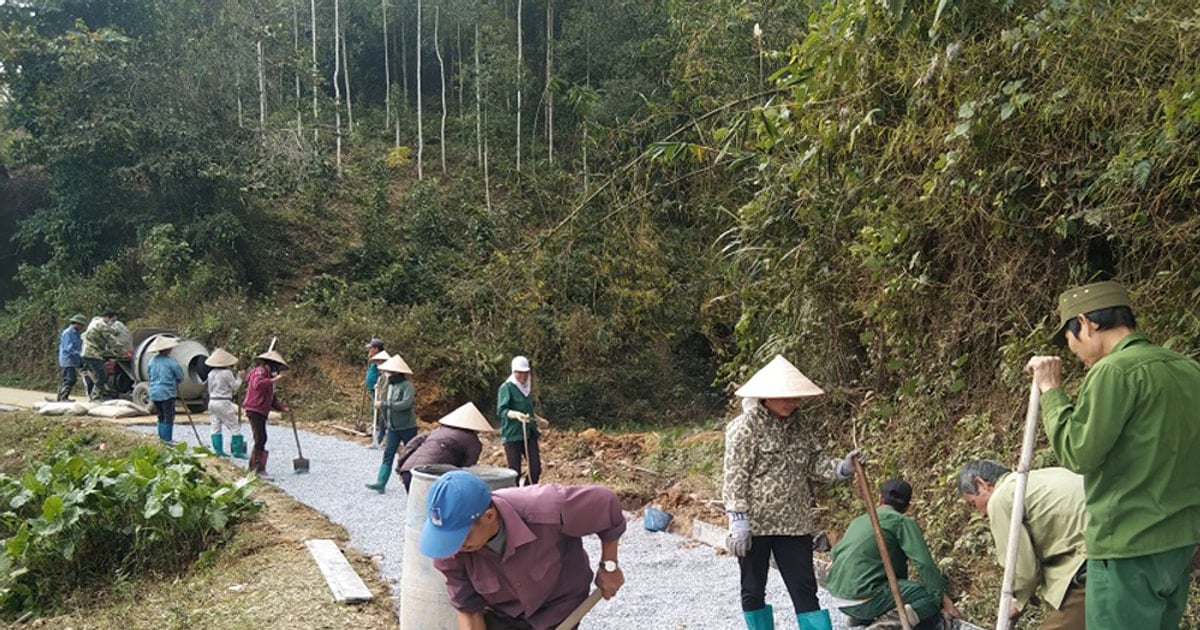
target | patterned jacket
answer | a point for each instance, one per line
(768, 466)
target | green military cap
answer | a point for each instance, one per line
(78, 318)
(1085, 299)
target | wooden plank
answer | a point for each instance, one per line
(347, 587)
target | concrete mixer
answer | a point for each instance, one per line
(190, 355)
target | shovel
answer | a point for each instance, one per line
(1003, 615)
(577, 615)
(299, 464)
(193, 424)
(868, 497)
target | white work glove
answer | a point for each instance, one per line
(513, 414)
(845, 469)
(739, 534)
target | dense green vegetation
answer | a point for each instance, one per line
(891, 194)
(81, 518)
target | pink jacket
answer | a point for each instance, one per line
(260, 392)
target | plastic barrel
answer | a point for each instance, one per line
(424, 604)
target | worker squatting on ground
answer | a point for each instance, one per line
(771, 454)
(374, 348)
(858, 577)
(104, 339)
(1132, 433)
(259, 400)
(518, 422)
(398, 413)
(1051, 552)
(223, 384)
(454, 443)
(70, 347)
(513, 559)
(164, 376)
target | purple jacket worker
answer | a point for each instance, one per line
(514, 558)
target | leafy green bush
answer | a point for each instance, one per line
(78, 518)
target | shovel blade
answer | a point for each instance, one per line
(300, 465)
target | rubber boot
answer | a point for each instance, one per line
(237, 446)
(252, 466)
(218, 444)
(761, 619)
(815, 620)
(380, 484)
(262, 465)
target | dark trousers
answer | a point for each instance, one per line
(258, 428)
(166, 419)
(95, 379)
(794, 557)
(514, 451)
(394, 439)
(70, 374)
(498, 621)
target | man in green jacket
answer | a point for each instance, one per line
(1130, 432)
(1051, 553)
(857, 573)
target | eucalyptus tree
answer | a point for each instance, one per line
(420, 114)
(437, 49)
(337, 90)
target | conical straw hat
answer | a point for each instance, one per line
(380, 357)
(467, 417)
(220, 359)
(163, 343)
(271, 355)
(779, 379)
(396, 365)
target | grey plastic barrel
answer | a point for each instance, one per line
(424, 603)
(190, 355)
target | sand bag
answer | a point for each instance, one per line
(117, 409)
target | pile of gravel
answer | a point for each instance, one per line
(672, 582)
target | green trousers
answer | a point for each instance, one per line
(924, 603)
(1146, 592)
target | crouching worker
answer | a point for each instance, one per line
(858, 574)
(513, 559)
(455, 443)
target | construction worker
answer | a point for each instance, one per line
(100, 344)
(857, 574)
(1131, 433)
(258, 402)
(771, 454)
(70, 347)
(164, 376)
(398, 414)
(455, 443)
(375, 351)
(223, 384)
(1051, 552)
(513, 559)
(518, 422)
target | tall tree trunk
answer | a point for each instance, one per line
(296, 69)
(420, 114)
(316, 73)
(437, 49)
(387, 73)
(458, 42)
(520, 65)
(487, 184)
(403, 59)
(337, 90)
(346, 78)
(237, 87)
(549, 77)
(262, 88)
(478, 105)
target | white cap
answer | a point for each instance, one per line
(520, 364)
(779, 379)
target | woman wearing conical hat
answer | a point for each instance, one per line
(259, 400)
(771, 455)
(223, 384)
(455, 442)
(164, 375)
(398, 414)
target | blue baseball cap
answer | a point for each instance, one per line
(455, 500)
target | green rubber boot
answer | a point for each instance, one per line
(237, 446)
(218, 444)
(381, 483)
(815, 620)
(761, 619)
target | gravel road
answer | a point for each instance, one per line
(671, 582)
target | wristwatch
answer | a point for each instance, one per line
(609, 566)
